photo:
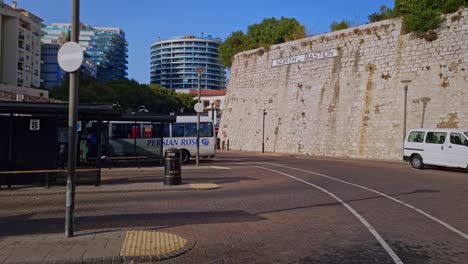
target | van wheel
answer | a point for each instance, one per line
(417, 162)
(185, 156)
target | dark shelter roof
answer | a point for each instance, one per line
(85, 111)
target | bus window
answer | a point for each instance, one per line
(206, 129)
(147, 130)
(124, 130)
(161, 130)
(135, 131)
(178, 129)
(190, 129)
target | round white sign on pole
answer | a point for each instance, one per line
(70, 56)
(198, 107)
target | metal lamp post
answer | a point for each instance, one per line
(212, 103)
(405, 110)
(199, 71)
(406, 79)
(263, 129)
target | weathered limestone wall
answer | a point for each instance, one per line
(350, 105)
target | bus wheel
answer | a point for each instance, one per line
(185, 156)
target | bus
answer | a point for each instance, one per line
(147, 139)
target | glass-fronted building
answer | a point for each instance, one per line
(51, 73)
(173, 63)
(104, 47)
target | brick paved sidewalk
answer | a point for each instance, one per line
(49, 248)
(100, 245)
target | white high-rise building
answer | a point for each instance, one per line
(20, 47)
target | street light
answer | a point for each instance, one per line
(200, 71)
(263, 129)
(406, 79)
(212, 103)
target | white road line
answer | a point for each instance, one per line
(371, 229)
(433, 218)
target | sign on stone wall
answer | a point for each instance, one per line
(317, 55)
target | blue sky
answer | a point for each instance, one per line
(144, 21)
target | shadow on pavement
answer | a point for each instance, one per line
(348, 201)
(118, 181)
(22, 225)
(439, 168)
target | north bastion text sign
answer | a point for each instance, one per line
(317, 55)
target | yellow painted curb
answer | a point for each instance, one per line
(146, 243)
(204, 186)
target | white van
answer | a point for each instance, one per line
(439, 147)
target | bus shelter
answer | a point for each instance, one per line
(34, 139)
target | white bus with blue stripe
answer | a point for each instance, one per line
(145, 139)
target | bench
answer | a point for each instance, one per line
(46, 172)
(110, 160)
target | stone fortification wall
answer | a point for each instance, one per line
(351, 104)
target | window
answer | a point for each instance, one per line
(178, 130)
(416, 136)
(190, 129)
(206, 130)
(147, 130)
(436, 137)
(457, 139)
(161, 130)
(124, 130)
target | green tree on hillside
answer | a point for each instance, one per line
(269, 32)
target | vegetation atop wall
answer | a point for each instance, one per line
(129, 94)
(420, 16)
(343, 24)
(269, 32)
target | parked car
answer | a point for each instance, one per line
(439, 147)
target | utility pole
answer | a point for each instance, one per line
(263, 129)
(72, 122)
(199, 71)
(405, 113)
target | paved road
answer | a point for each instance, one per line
(279, 209)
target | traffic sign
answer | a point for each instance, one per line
(70, 56)
(198, 107)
